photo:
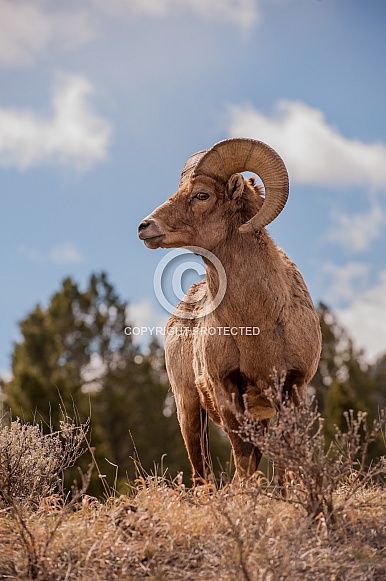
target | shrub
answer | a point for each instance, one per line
(32, 463)
(309, 473)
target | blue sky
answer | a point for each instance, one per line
(101, 103)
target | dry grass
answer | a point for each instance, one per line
(326, 520)
(162, 531)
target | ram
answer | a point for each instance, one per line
(221, 366)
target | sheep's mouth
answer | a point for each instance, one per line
(154, 241)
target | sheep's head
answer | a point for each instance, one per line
(214, 197)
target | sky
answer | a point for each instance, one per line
(101, 103)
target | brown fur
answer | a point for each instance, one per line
(220, 375)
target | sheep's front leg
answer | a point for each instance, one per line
(193, 421)
(191, 416)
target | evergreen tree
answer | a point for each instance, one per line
(378, 374)
(75, 354)
(334, 355)
(67, 349)
(344, 381)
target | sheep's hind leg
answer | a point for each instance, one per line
(230, 401)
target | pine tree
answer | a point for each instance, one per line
(344, 381)
(74, 355)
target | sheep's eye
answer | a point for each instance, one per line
(202, 196)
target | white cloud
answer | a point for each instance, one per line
(32, 254)
(356, 232)
(315, 152)
(144, 315)
(241, 12)
(346, 281)
(74, 135)
(6, 375)
(365, 318)
(27, 29)
(65, 253)
(93, 373)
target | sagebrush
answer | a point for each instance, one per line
(308, 471)
(32, 463)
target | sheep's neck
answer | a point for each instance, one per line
(254, 281)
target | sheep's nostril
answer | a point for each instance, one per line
(143, 225)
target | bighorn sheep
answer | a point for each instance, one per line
(223, 374)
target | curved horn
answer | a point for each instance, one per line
(237, 155)
(189, 167)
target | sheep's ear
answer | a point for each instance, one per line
(235, 186)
